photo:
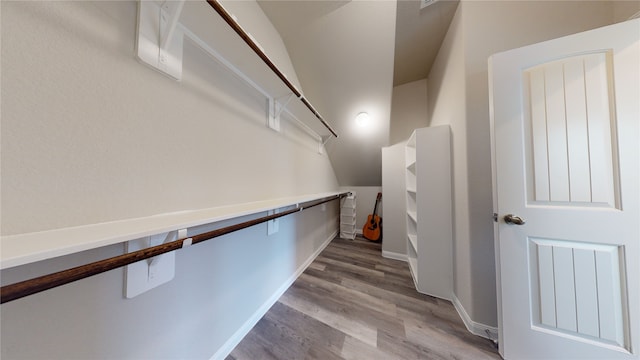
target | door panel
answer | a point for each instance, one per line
(565, 120)
(573, 145)
(578, 288)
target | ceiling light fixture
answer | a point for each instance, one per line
(362, 119)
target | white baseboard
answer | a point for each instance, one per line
(358, 231)
(475, 328)
(235, 339)
(394, 256)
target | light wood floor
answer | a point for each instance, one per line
(351, 303)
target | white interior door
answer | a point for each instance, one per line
(565, 117)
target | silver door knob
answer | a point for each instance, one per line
(512, 219)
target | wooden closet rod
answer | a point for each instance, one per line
(32, 286)
(247, 39)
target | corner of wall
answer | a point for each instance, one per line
(485, 331)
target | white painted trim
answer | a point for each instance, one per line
(235, 339)
(489, 332)
(394, 255)
(358, 231)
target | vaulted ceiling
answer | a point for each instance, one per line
(348, 55)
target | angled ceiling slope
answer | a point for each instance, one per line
(419, 34)
(343, 53)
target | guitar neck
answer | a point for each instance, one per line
(375, 207)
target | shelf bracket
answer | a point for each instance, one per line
(276, 107)
(143, 276)
(323, 141)
(160, 40)
(169, 16)
(283, 106)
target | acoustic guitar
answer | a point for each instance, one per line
(372, 230)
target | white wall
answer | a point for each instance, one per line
(458, 95)
(91, 135)
(447, 96)
(394, 229)
(408, 110)
(345, 59)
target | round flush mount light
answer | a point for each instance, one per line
(362, 119)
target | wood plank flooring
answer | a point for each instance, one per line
(351, 303)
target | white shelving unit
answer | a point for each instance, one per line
(348, 217)
(428, 208)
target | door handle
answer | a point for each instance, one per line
(512, 219)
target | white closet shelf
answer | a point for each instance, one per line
(27, 248)
(413, 240)
(198, 22)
